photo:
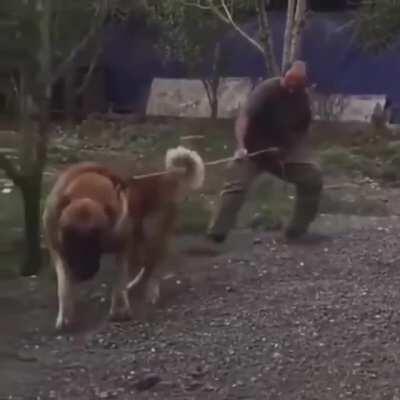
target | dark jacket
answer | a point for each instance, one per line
(274, 117)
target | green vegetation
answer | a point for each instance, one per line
(270, 204)
(378, 23)
(341, 160)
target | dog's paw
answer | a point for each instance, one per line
(153, 292)
(120, 315)
(64, 323)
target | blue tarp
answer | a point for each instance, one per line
(130, 64)
(131, 61)
(336, 61)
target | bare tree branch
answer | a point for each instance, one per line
(298, 26)
(99, 18)
(41, 153)
(207, 87)
(266, 39)
(288, 34)
(237, 28)
(295, 22)
(92, 66)
(66, 64)
(44, 7)
(193, 4)
(226, 16)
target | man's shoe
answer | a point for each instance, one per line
(217, 237)
(304, 237)
(295, 232)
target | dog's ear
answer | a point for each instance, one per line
(120, 185)
(118, 182)
(110, 212)
(63, 202)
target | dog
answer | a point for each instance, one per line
(86, 215)
(154, 203)
(92, 211)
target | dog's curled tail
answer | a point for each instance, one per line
(188, 163)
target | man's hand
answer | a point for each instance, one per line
(240, 154)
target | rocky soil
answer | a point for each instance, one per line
(260, 320)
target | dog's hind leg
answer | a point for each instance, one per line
(156, 254)
(120, 309)
(158, 229)
(152, 280)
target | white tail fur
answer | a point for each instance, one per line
(134, 282)
(181, 158)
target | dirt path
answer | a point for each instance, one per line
(264, 320)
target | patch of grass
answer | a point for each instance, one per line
(12, 229)
(194, 216)
(265, 208)
(11, 218)
(267, 220)
(273, 213)
(10, 262)
(341, 160)
(160, 135)
(270, 204)
(64, 155)
(389, 151)
(386, 156)
(391, 168)
(351, 205)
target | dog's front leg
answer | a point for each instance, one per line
(65, 317)
(120, 309)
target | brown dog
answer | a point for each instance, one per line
(86, 215)
(154, 207)
(91, 211)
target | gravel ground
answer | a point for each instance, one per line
(317, 320)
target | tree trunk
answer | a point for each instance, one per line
(26, 151)
(31, 194)
(212, 85)
(299, 22)
(214, 107)
(30, 181)
(288, 35)
(215, 79)
(45, 61)
(69, 98)
(266, 39)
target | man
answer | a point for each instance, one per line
(277, 114)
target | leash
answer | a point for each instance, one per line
(211, 163)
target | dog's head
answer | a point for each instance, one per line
(83, 225)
